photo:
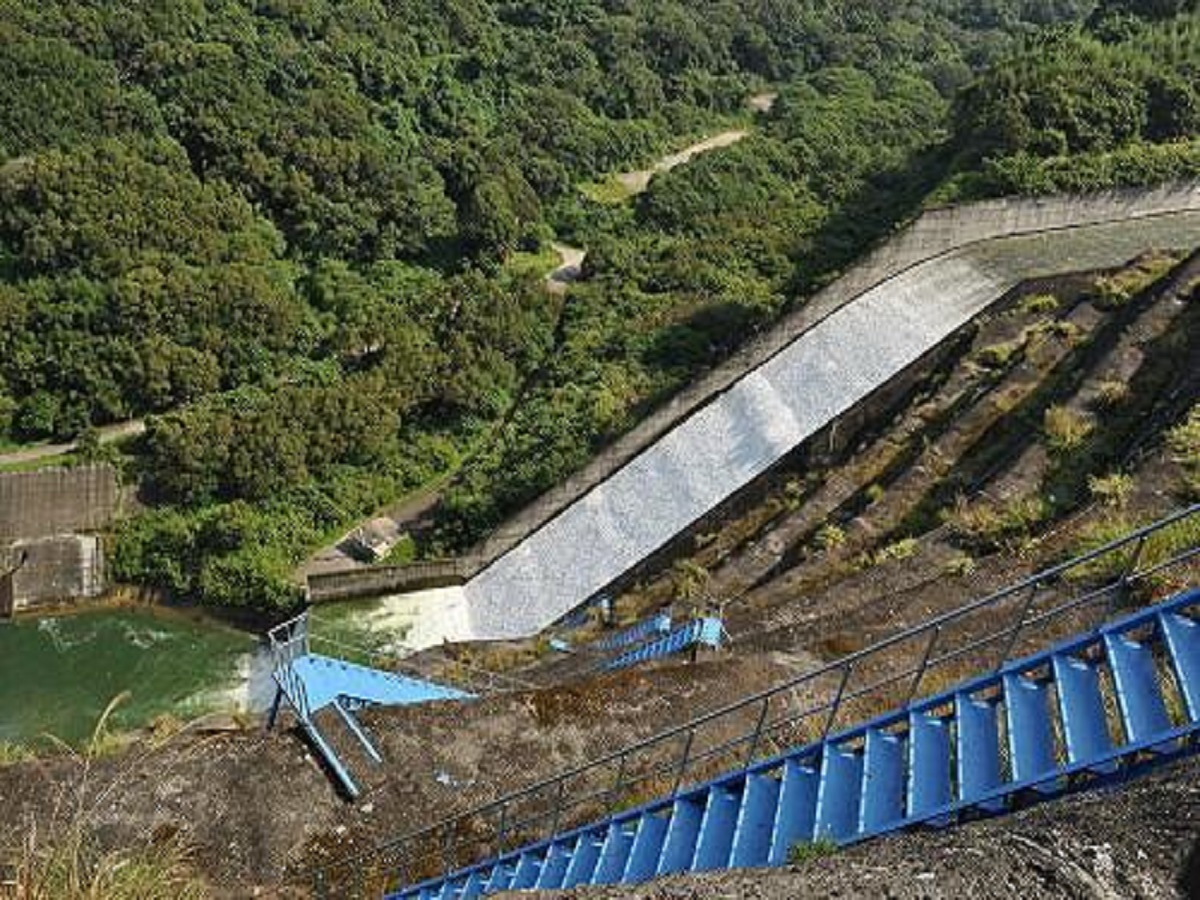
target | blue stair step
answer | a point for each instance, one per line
(1142, 708)
(528, 867)
(1081, 708)
(978, 756)
(473, 886)
(752, 836)
(1030, 730)
(614, 854)
(883, 781)
(679, 848)
(839, 794)
(647, 845)
(929, 763)
(501, 878)
(715, 842)
(1183, 643)
(584, 858)
(554, 869)
(796, 814)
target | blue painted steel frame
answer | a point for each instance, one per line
(1165, 745)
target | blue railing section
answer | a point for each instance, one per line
(656, 624)
(704, 632)
(310, 682)
(1026, 661)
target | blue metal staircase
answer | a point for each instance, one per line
(656, 624)
(704, 632)
(311, 683)
(1038, 724)
(1038, 689)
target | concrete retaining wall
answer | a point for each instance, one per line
(57, 501)
(42, 515)
(57, 569)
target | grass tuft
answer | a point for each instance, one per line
(1065, 428)
(60, 857)
(803, 852)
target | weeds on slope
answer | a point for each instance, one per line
(60, 859)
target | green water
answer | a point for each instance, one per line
(57, 674)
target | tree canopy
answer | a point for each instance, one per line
(291, 232)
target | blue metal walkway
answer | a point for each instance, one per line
(1094, 708)
(704, 632)
(325, 679)
(656, 624)
(311, 683)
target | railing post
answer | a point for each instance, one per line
(683, 761)
(916, 684)
(837, 700)
(1121, 585)
(558, 802)
(758, 726)
(404, 867)
(500, 831)
(1015, 633)
(448, 850)
(1131, 568)
(616, 791)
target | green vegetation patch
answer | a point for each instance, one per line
(308, 247)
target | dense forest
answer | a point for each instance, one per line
(302, 237)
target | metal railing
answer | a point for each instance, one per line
(454, 672)
(980, 636)
(289, 642)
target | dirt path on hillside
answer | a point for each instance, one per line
(108, 434)
(637, 181)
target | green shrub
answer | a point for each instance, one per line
(11, 754)
(830, 536)
(1158, 548)
(1111, 393)
(1111, 490)
(905, 548)
(991, 524)
(1039, 303)
(1065, 429)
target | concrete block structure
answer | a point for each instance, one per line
(49, 551)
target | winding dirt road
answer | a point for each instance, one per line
(636, 182)
(108, 434)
